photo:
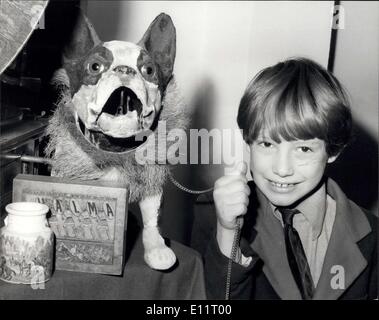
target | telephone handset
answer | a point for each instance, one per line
(239, 169)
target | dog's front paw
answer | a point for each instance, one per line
(160, 258)
(157, 255)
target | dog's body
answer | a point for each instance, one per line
(115, 92)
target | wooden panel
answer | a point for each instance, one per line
(17, 22)
(88, 219)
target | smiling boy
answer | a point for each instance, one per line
(302, 238)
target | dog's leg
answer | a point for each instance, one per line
(157, 254)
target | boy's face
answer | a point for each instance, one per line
(287, 171)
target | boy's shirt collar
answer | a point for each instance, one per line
(313, 209)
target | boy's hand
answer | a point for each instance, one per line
(231, 195)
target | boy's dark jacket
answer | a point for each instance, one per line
(352, 248)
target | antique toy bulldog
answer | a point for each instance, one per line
(112, 93)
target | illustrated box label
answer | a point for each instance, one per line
(89, 219)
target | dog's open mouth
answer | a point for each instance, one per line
(122, 115)
(121, 102)
(122, 124)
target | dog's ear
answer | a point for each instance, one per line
(160, 41)
(83, 39)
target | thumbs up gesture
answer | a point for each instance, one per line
(231, 195)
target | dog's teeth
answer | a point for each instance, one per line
(122, 98)
(122, 102)
(86, 132)
(95, 140)
(120, 108)
(127, 104)
(92, 138)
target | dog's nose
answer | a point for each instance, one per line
(125, 70)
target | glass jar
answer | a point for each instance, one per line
(26, 244)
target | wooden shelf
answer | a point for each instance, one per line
(12, 136)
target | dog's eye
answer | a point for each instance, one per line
(95, 67)
(148, 70)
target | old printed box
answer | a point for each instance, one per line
(88, 218)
